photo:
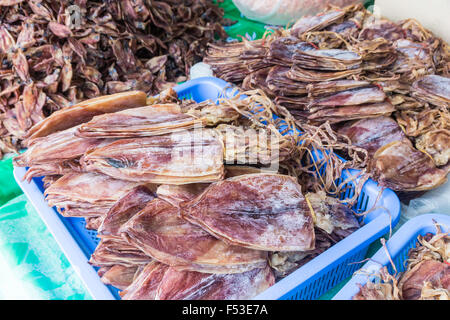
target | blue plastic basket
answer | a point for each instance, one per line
(398, 247)
(308, 282)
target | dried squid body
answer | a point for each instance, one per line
(260, 211)
(436, 143)
(86, 194)
(55, 148)
(333, 222)
(185, 285)
(395, 162)
(111, 252)
(159, 231)
(146, 283)
(371, 134)
(139, 122)
(317, 22)
(433, 89)
(427, 273)
(327, 59)
(177, 158)
(85, 111)
(399, 166)
(158, 281)
(123, 210)
(120, 276)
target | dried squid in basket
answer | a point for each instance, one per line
(427, 274)
(159, 231)
(260, 211)
(177, 158)
(160, 282)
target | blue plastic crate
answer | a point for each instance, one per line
(308, 282)
(398, 247)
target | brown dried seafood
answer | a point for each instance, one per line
(372, 134)
(437, 144)
(395, 163)
(433, 89)
(176, 158)
(160, 232)
(86, 194)
(343, 44)
(120, 276)
(185, 285)
(123, 210)
(399, 166)
(427, 274)
(333, 222)
(56, 153)
(111, 252)
(139, 122)
(260, 211)
(85, 111)
(160, 282)
(174, 221)
(347, 64)
(58, 53)
(146, 283)
(234, 61)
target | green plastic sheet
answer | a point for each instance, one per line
(32, 266)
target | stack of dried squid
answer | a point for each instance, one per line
(351, 69)
(175, 222)
(57, 53)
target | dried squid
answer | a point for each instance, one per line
(160, 282)
(111, 252)
(146, 283)
(427, 274)
(159, 231)
(399, 166)
(139, 122)
(177, 158)
(120, 276)
(260, 211)
(433, 89)
(58, 53)
(85, 111)
(184, 285)
(333, 222)
(317, 22)
(436, 143)
(372, 134)
(395, 162)
(123, 210)
(86, 194)
(55, 154)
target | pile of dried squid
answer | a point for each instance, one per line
(384, 85)
(427, 274)
(179, 214)
(57, 53)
